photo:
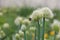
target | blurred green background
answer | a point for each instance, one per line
(9, 15)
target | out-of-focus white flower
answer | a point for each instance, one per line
(21, 33)
(32, 29)
(58, 35)
(18, 20)
(46, 19)
(22, 38)
(2, 34)
(5, 25)
(55, 25)
(45, 39)
(1, 14)
(27, 32)
(26, 22)
(23, 27)
(17, 36)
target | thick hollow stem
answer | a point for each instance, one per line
(43, 28)
(24, 35)
(35, 34)
(38, 31)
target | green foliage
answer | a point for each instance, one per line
(57, 13)
(25, 11)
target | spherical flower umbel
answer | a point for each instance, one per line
(32, 29)
(5, 25)
(18, 20)
(36, 15)
(55, 25)
(27, 32)
(40, 13)
(2, 34)
(47, 13)
(17, 36)
(21, 33)
(26, 22)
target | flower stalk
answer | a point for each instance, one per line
(43, 28)
(24, 35)
(35, 34)
(38, 31)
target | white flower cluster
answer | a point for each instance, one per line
(26, 22)
(55, 23)
(17, 36)
(20, 34)
(1, 14)
(2, 34)
(40, 13)
(47, 12)
(32, 29)
(5, 25)
(18, 20)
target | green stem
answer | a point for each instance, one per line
(38, 31)
(43, 28)
(24, 35)
(35, 34)
(31, 36)
(55, 36)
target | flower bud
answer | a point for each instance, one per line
(5, 25)
(1, 14)
(17, 36)
(26, 22)
(27, 32)
(2, 34)
(32, 29)
(21, 33)
(55, 25)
